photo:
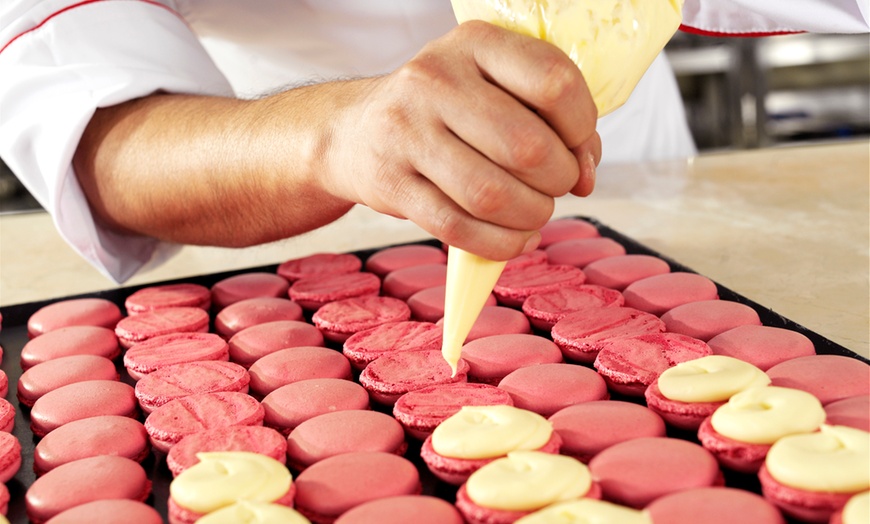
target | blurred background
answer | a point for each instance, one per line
(740, 93)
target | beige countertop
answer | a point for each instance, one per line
(787, 227)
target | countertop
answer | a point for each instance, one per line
(788, 228)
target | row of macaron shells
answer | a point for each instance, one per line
(319, 265)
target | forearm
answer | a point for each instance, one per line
(215, 171)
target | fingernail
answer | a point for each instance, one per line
(589, 168)
(532, 243)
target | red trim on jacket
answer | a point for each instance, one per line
(704, 32)
(73, 6)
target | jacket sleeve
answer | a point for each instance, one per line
(766, 17)
(60, 60)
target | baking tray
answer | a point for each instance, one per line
(14, 335)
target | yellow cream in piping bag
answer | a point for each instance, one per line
(613, 42)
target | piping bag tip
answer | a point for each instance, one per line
(470, 281)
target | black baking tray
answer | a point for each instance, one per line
(14, 335)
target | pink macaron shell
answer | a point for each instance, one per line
(853, 412)
(828, 377)
(456, 471)
(716, 505)
(81, 400)
(732, 454)
(173, 348)
(340, 319)
(313, 292)
(181, 515)
(636, 472)
(7, 415)
(403, 509)
(492, 358)
(247, 285)
(550, 387)
(111, 511)
(256, 439)
(497, 320)
(139, 328)
(347, 431)
(403, 283)
(532, 258)
(561, 229)
(184, 416)
(188, 378)
(677, 414)
(10, 456)
(581, 335)
(580, 252)
(319, 264)
(427, 305)
(86, 480)
(90, 437)
(253, 311)
(52, 374)
(545, 309)
(74, 312)
(762, 346)
(4, 384)
(365, 346)
(661, 293)
(630, 364)
(514, 286)
(474, 513)
(420, 411)
(390, 376)
(619, 271)
(590, 427)
(799, 504)
(67, 341)
(290, 405)
(168, 295)
(333, 486)
(5, 497)
(251, 344)
(394, 258)
(290, 365)
(705, 319)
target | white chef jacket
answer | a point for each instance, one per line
(60, 60)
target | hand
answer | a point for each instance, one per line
(472, 140)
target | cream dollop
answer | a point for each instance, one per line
(249, 512)
(833, 459)
(586, 511)
(478, 432)
(223, 477)
(528, 480)
(762, 415)
(857, 509)
(714, 378)
(613, 42)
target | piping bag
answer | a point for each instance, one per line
(613, 42)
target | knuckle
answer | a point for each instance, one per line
(485, 197)
(529, 147)
(558, 83)
(447, 225)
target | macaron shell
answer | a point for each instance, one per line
(168, 295)
(565, 229)
(81, 400)
(319, 264)
(732, 454)
(253, 311)
(798, 504)
(620, 271)
(705, 319)
(90, 437)
(83, 481)
(762, 346)
(853, 412)
(365, 346)
(313, 292)
(337, 484)
(340, 319)
(253, 343)
(7, 415)
(74, 312)
(713, 506)
(247, 285)
(256, 439)
(290, 405)
(660, 293)
(188, 378)
(496, 320)
(390, 259)
(581, 335)
(514, 286)
(403, 283)
(427, 305)
(421, 410)
(828, 377)
(549, 387)
(294, 364)
(10, 456)
(580, 252)
(173, 348)
(52, 374)
(403, 509)
(545, 309)
(680, 415)
(492, 358)
(150, 324)
(111, 511)
(72, 340)
(390, 376)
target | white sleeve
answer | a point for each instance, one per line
(60, 60)
(763, 17)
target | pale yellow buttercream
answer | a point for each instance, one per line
(762, 415)
(479, 432)
(857, 509)
(249, 512)
(586, 511)
(714, 378)
(834, 459)
(223, 477)
(613, 42)
(528, 480)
